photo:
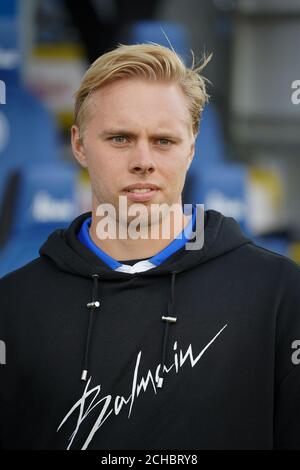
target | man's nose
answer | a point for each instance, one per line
(142, 159)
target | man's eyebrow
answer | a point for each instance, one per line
(122, 131)
(116, 131)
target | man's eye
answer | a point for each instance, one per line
(119, 139)
(164, 142)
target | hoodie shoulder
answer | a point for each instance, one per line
(267, 264)
(26, 274)
(271, 256)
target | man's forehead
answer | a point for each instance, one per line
(136, 118)
(133, 113)
(137, 92)
(129, 122)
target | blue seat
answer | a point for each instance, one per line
(45, 199)
(210, 144)
(31, 134)
(222, 187)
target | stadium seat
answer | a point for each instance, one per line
(30, 130)
(43, 198)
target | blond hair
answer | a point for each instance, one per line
(148, 61)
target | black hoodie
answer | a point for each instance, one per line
(224, 320)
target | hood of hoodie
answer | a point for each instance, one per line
(221, 235)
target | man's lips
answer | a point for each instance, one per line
(140, 192)
(143, 186)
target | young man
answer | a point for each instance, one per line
(137, 342)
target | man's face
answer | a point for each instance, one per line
(137, 132)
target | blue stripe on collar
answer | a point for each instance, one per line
(177, 243)
(85, 238)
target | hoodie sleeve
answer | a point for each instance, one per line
(287, 371)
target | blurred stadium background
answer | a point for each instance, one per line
(247, 162)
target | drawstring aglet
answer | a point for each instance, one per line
(95, 304)
(84, 375)
(169, 319)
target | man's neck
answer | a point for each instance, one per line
(126, 249)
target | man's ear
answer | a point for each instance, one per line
(77, 146)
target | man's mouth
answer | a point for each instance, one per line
(141, 192)
(141, 187)
(144, 190)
